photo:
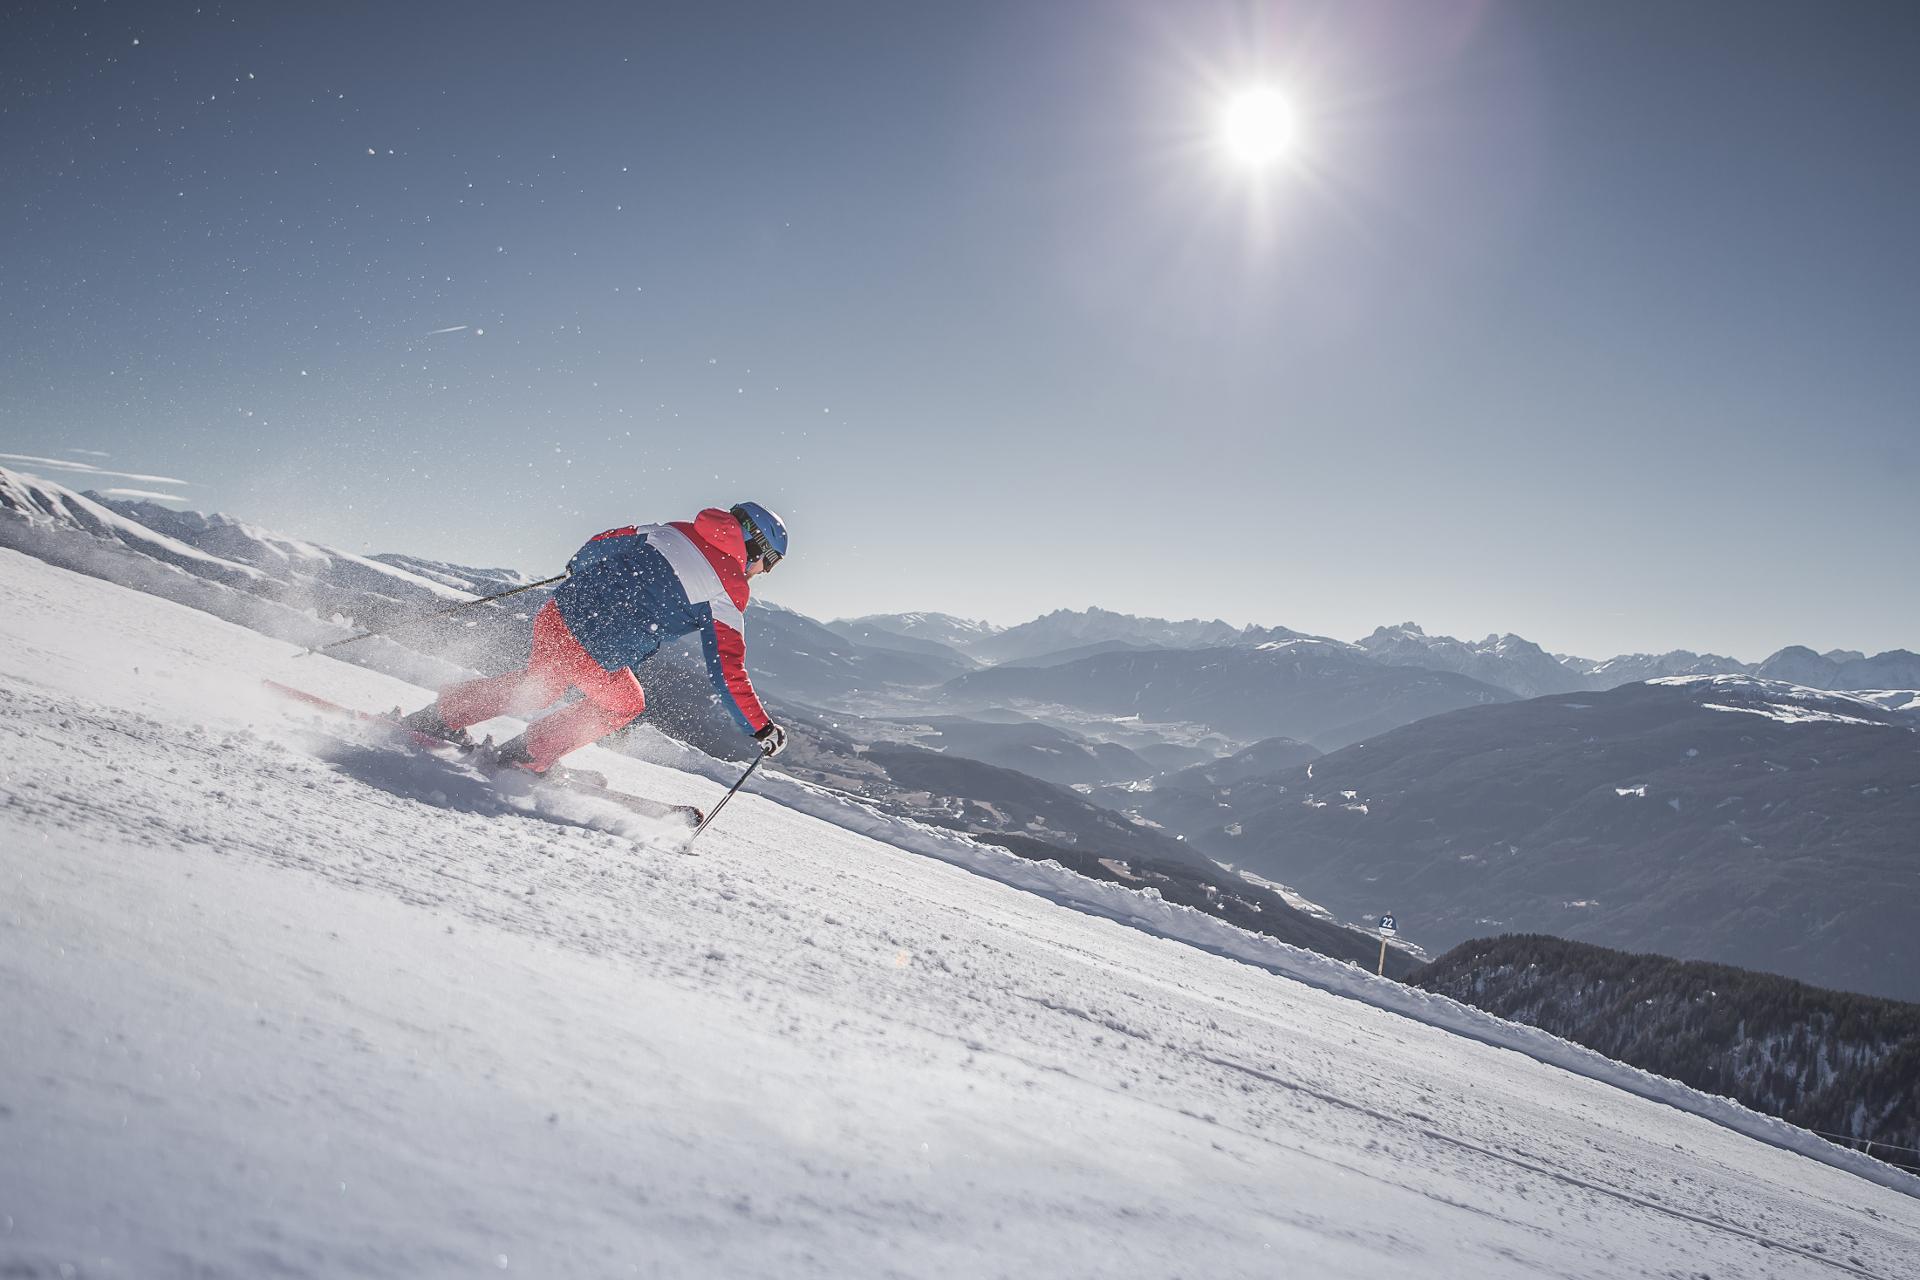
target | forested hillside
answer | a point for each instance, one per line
(1843, 1064)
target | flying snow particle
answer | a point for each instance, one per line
(452, 328)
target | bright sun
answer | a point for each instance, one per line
(1257, 127)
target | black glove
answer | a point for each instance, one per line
(772, 739)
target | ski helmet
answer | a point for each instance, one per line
(766, 533)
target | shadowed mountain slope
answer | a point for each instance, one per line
(1721, 818)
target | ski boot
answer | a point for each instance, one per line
(511, 754)
(427, 721)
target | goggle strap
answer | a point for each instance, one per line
(757, 549)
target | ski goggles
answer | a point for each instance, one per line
(758, 549)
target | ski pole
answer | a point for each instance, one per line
(428, 617)
(715, 811)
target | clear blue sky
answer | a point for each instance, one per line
(1594, 322)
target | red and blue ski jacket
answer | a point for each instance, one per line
(630, 590)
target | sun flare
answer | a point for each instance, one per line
(1258, 127)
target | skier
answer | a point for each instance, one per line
(627, 592)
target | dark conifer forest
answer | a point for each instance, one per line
(1843, 1064)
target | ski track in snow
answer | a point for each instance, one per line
(280, 1000)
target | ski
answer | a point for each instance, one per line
(585, 783)
(579, 781)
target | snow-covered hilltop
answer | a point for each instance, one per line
(941, 628)
(217, 547)
(282, 999)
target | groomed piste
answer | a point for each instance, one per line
(283, 999)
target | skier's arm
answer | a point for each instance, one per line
(726, 654)
(599, 546)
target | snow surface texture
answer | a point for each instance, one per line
(282, 1000)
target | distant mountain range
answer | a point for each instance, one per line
(1522, 667)
(799, 658)
(1629, 668)
(1728, 818)
(1083, 631)
(882, 638)
(1507, 662)
(1060, 657)
(940, 628)
(1074, 629)
(1318, 691)
(1843, 669)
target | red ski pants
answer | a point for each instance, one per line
(612, 698)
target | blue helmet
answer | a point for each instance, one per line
(765, 532)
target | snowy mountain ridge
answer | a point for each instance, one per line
(1522, 667)
(285, 557)
(1078, 628)
(1505, 661)
(943, 628)
(1629, 667)
(467, 578)
(40, 508)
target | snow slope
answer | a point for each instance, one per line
(282, 1002)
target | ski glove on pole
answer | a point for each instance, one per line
(772, 739)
